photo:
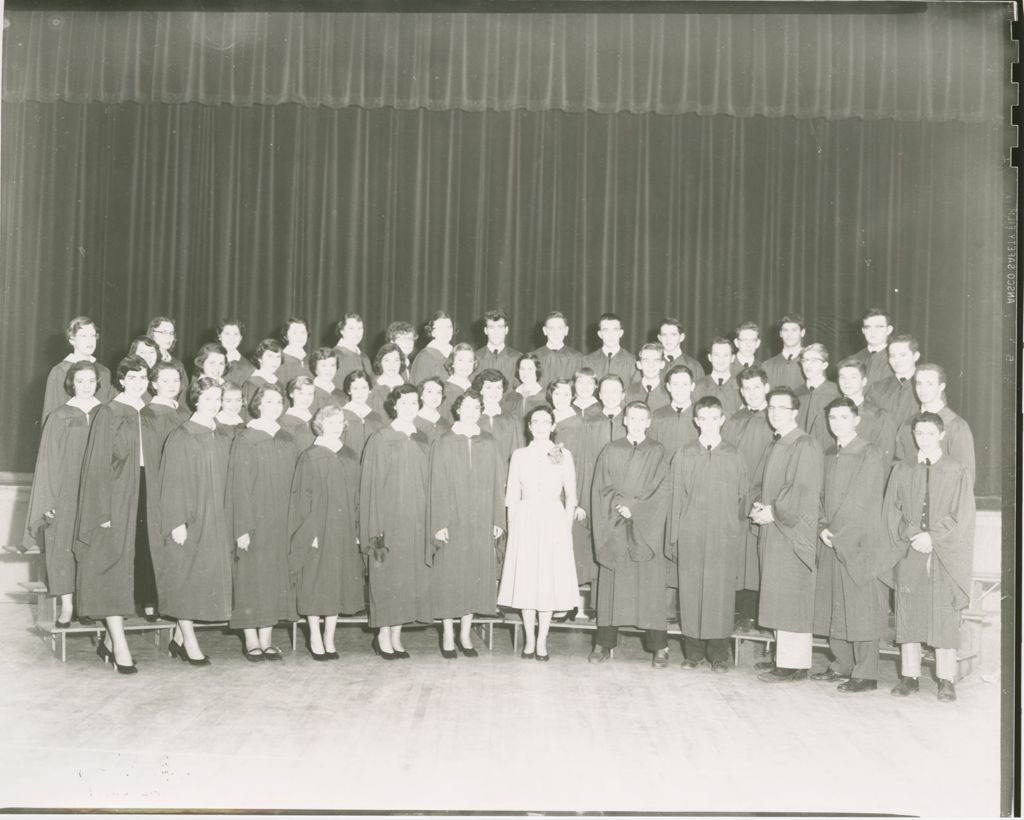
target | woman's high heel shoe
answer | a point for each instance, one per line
(177, 650)
(102, 651)
(107, 655)
(388, 656)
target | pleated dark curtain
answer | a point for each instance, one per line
(123, 210)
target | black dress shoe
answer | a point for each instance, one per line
(829, 676)
(542, 658)
(906, 686)
(151, 617)
(858, 685)
(319, 656)
(689, 663)
(469, 652)
(254, 655)
(947, 692)
(333, 656)
(449, 654)
(401, 654)
(388, 656)
(660, 660)
(599, 654)
(62, 624)
(744, 626)
(527, 656)
(764, 666)
(720, 666)
(85, 620)
(782, 675)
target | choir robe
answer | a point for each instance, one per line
(787, 547)
(876, 364)
(324, 506)
(228, 431)
(358, 429)
(291, 368)
(851, 602)
(54, 395)
(749, 432)
(557, 364)
(252, 384)
(506, 433)
(591, 411)
(958, 442)
(784, 371)
(896, 397)
(432, 430)
(812, 417)
(429, 362)
(55, 486)
(239, 371)
(393, 511)
(194, 578)
(621, 364)
(504, 362)
(378, 395)
(451, 392)
(674, 430)
(728, 393)
(635, 391)
(696, 368)
(258, 488)
(466, 497)
(633, 567)
(322, 398)
(930, 594)
(515, 405)
(571, 433)
(158, 422)
(876, 429)
(706, 530)
(105, 583)
(299, 429)
(348, 362)
(736, 366)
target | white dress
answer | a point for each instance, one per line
(540, 570)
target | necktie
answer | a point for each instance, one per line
(709, 448)
(720, 383)
(924, 506)
(776, 436)
(610, 356)
(679, 411)
(788, 358)
(648, 388)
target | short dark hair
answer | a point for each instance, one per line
(871, 312)
(533, 411)
(937, 369)
(471, 395)
(636, 405)
(385, 349)
(355, 375)
(156, 321)
(752, 372)
(296, 383)
(395, 394)
(292, 320)
(129, 364)
(754, 326)
(230, 320)
(584, 372)
(842, 401)
(254, 402)
(396, 329)
(200, 385)
(322, 354)
(785, 391)
(78, 367)
(720, 340)
(609, 317)
(139, 341)
(340, 325)
(436, 316)
(490, 375)
(707, 401)
(497, 315)
(461, 347)
(267, 345)
(78, 323)
(558, 383)
(927, 418)
(159, 368)
(555, 314)
(611, 377)
(431, 380)
(905, 339)
(206, 351)
(793, 319)
(671, 320)
(677, 369)
(851, 361)
(529, 357)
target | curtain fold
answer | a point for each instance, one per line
(123, 212)
(937, 65)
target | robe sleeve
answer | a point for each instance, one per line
(897, 531)
(952, 533)
(94, 498)
(886, 439)
(46, 479)
(178, 501)
(441, 495)
(795, 508)
(241, 488)
(960, 444)
(305, 508)
(569, 483)
(859, 541)
(677, 503)
(54, 395)
(372, 507)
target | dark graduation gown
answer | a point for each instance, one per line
(298, 429)
(258, 489)
(931, 594)
(633, 567)
(378, 395)
(358, 430)
(393, 508)
(696, 368)
(432, 430)
(467, 496)
(252, 384)
(851, 600)
(728, 394)
(292, 367)
(876, 429)
(895, 397)
(621, 364)
(706, 527)
(876, 363)
(451, 392)
(228, 431)
(589, 412)
(557, 364)
(54, 395)
(674, 430)
(812, 417)
(238, 372)
(635, 391)
(571, 433)
(321, 398)
(504, 362)
(736, 366)
(325, 506)
(750, 434)
(783, 372)
(348, 362)
(958, 442)
(515, 406)
(105, 583)
(428, 362)
(158, 422)
(194, 581)
(506, 433)
(55, 486)
(787, 547)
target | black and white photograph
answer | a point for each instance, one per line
(526, 407)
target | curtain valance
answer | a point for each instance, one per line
(946, 63)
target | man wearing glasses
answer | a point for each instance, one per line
(786, 510)
(877, 328)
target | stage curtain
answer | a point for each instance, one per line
(946, 62)
(127, 211)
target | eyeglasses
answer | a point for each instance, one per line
(779, 407)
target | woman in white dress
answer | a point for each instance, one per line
(539, 575)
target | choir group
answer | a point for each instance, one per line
(436, 486)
